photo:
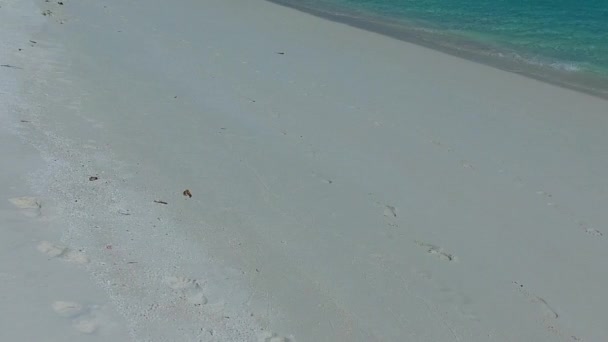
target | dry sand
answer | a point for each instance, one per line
(345, 186)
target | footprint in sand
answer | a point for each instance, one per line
(272, 337)
(86, 326)
(390, 211)
(390, 214)
(584, 226)
(438, 251)
(590, 230)
(467, 165)
(593, 232)
(547, 197)
(67, 309)
(550, 315)
(62, 252)
(189, 289)
(547, 310)
(85, 320)
(30, 206)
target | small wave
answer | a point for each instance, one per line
(566, 66)
(544, 63)
(557, 65)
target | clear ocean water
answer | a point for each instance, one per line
(568, 36)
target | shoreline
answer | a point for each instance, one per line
(398, 193)
(460, 47)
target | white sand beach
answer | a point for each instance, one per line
(345, 186)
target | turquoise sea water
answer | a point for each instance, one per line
(568, 36)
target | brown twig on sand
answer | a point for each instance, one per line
(160, 202)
